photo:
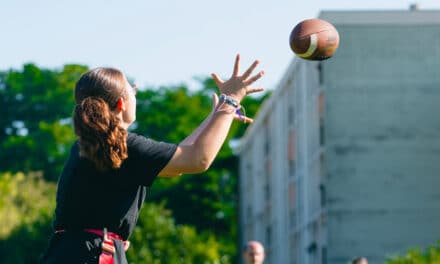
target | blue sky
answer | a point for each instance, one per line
(163, 42)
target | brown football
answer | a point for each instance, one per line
(314, 39)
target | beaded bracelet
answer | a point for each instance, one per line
(235, 104)
(228, 100)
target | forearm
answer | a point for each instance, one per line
(210, 139)
(195, 134)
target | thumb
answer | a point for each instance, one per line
(218, 81)
(214, 100)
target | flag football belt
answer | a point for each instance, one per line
(107, 242)
(108, 246)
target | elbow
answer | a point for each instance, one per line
(202, 165)
(197, 159)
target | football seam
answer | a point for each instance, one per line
(312, 46)
(312, 34)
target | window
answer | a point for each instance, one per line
(249, 212)
(266, 138)
(269, 236)
(321, 119)
(267, 191)
(268, 251)
(292, 205)
(292, 168)
(291, 153)
(320, 74)
(291, 114)
(324, 255)
(322, 194)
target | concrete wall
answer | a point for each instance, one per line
(383, 140)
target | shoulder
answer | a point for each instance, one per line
(133, 138)
(141, 144)
(147, 157)
(137, 141)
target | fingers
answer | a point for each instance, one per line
(254, 78)
(250, 70)
(254, 90)
(236, 66)
(243, 119)
(217, 79)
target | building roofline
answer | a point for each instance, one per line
(381, 17)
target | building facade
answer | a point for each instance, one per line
(343, 159)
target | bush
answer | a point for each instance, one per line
(26, 208)
(415, 256)
(157, 239)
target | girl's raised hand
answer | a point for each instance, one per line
(238, 86)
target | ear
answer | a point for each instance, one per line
(120, 105)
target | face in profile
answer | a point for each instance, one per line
(129, 115)
(254, 253)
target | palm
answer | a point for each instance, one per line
(238, 86)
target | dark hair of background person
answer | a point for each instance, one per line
(358, 260)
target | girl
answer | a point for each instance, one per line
(103, 183)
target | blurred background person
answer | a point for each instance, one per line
(253, 253)
(360, 260)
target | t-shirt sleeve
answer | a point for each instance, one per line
(147, 157)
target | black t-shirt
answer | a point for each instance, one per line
(87, 198)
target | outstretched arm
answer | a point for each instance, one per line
(196, 153)
(188, 141)
(195, 134)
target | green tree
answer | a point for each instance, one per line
(35, 128)
(26, 208)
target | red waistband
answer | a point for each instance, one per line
(100, 232)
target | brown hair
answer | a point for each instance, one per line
(96, 120)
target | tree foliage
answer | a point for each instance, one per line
(35, 130)
(430, 255)
(26, 208)
(157, 239)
